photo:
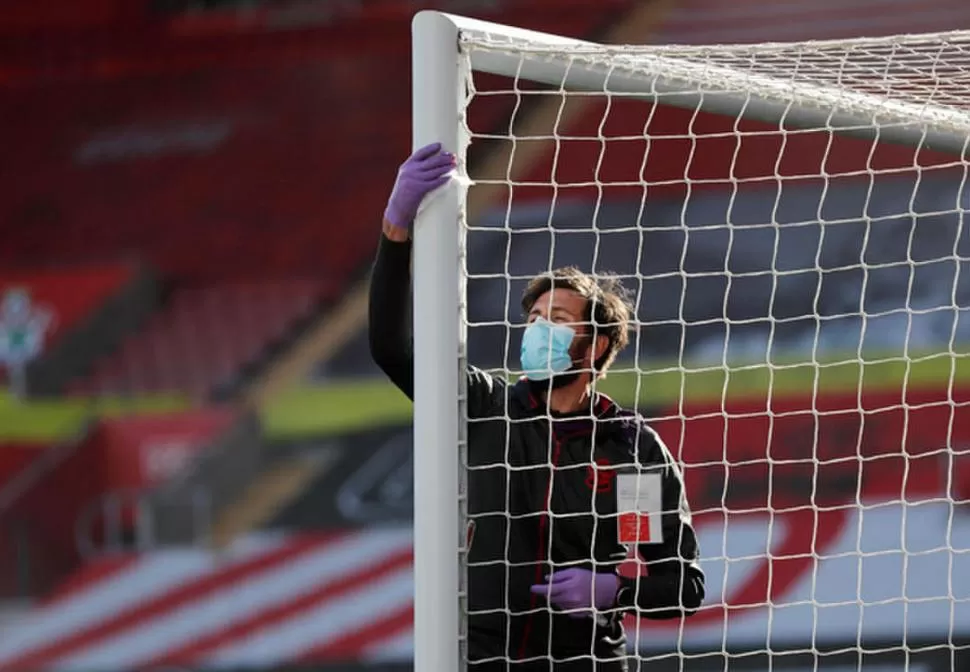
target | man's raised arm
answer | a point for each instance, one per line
(389, 330)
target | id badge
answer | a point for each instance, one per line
(639, 506)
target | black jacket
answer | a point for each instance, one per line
(533, 482)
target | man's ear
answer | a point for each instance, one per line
(602, 345)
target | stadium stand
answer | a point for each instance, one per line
(203, 171)
(80, 311)
(205, 339)
(14, 460)
(749, 21)
(195, 168)
(40, 495)
(14, 457)
(72, 292)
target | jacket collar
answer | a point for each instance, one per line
(604, 409)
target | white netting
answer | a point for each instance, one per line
(802, 326)
(907, 80)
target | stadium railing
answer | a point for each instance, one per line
(36, 550)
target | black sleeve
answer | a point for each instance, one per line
(390, 334)
(673, 585)
(389, 313)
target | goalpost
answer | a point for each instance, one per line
(801, 148)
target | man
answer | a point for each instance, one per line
(551, 465)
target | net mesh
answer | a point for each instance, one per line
(905, 79)
(800, 337)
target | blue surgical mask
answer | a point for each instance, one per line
(545, 349)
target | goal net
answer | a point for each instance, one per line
(789, 222)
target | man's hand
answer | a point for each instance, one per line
(579, 589)
(424, 171)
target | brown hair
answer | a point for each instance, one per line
(608, 308)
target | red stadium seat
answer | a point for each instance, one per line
(204, 337)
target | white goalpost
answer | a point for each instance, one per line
(790, 220)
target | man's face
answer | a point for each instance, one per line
(567, 306)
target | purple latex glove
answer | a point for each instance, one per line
(577, 588)
(424, 171)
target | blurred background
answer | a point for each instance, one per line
(200, 466)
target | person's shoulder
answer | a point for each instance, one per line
(635, 437)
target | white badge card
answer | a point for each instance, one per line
(639, 507)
